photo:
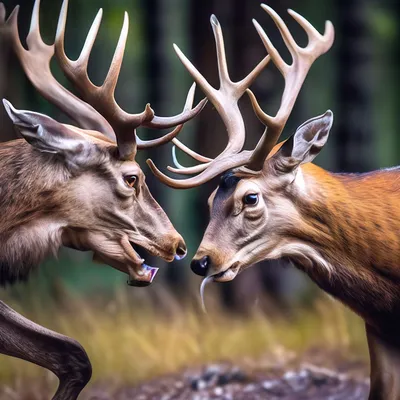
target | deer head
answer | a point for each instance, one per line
(81, 186)
(252, 211)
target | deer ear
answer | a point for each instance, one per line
(305, 144)
(48, 135)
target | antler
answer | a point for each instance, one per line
(225, 100)
(36, 64)
(293, 74)
(144, 144)
(100, 110)
(102, 98)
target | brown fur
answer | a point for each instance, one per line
(359, 215)
(343, 230)
(68, 186)
(29, 183)
(46, 203)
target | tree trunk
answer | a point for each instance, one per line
(353, 133)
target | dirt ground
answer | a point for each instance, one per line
(318, 374)
(229, 382)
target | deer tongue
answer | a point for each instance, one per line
(146, 279)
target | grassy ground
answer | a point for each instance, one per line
(131, 339)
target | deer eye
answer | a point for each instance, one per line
(130, 180)
(250, 199)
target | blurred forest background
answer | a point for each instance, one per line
(356, 79)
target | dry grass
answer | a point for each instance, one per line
(128, 343)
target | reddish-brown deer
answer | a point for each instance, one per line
(343, 230)
(77, 187)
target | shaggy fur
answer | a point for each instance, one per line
(343, 230)
(30, 184)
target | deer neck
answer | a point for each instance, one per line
(352, 221)
(29, 227)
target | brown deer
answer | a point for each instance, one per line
(343, 230)
(76, 187)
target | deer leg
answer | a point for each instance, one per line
(385, 366)
(65, 357)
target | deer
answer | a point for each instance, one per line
(77, 186)
(341, 229)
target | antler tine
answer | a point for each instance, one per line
(34, 36)
(225, 100)
(189, 151)
(103, 97)
(36, 63)
(197, 76)
(76, 71)
(83, 59)
(223, 72)
(177, 143)
(107, 90)
(314, 37)
(294, 75)
(225, 80)
(175, 132)
(146, 144)
(111, 80)
(143, 144)
(215, 168)
(189, 170)
(175, 160)
(188, 112)
(180, 169)
(168, 122)
(285, 33)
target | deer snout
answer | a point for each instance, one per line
(180, 249)
(170, 246)
(209, 260)
(201, 265)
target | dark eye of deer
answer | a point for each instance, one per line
(250, 199)
(130, 180)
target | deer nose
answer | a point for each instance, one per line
(200, 267)
(181, 250)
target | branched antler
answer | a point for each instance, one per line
(102, 97)
(294, 75)
(36, 63)
(99, 110)
(226, 98)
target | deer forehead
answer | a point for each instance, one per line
(125, 167)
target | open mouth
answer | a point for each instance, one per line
(145, 279)
(144, 274)
(226, 275)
